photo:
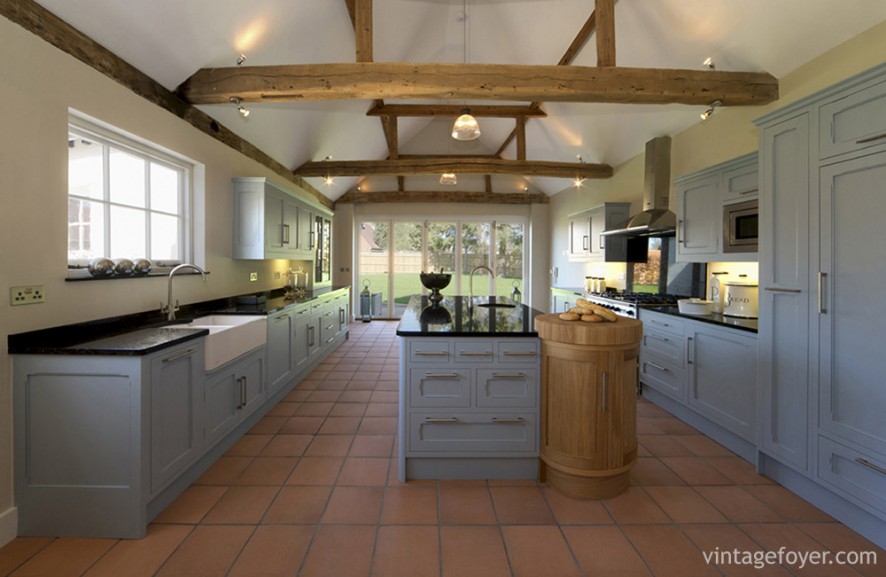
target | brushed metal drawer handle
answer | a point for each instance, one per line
(475, 354)
(431, 354)
(653, 321)
(522, 354)
(508, 375)
(180, 355)
(773, 289)
(440, 420)
(330, 339)
(748, 191)
(665, 339)
(605, 391)
(870, 138)
(442, 375)
(506, 420)
(657, 366)
(870, 465)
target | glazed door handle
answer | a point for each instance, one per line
(285, 234)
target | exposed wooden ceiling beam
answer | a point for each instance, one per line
(453, 110)
(354, 197)
(457, 164)
(521, 138)
(374, 80)
(352, 12)
(389, 124)
(605, 11)
(363, 30)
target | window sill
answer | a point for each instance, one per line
(75, 275)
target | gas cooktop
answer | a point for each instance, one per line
(626, 304)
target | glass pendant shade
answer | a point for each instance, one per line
(448, 178)
(466, 127)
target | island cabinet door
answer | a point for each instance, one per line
(445, 387)
(507, 387)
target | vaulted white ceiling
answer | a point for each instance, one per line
(169, 40)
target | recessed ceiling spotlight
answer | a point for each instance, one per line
(244, 112)
(709, 63)
(711, 109)
(241, 58)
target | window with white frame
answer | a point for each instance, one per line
(127, 198)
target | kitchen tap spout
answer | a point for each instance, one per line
(471, 281)
(170, 307)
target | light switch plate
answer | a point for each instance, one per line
(253, 276)
(27, 295)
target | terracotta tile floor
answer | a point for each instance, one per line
(312, 491)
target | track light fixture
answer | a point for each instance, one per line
(709, 63)
(244, 112)
(711, 109)
(578, 180)
(241, 58)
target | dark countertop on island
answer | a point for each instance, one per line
(749, 325)
(144, 333)
(453, 317)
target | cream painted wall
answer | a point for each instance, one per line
(726, 135)
(39, 84)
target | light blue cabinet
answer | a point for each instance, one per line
(281, 358)
(231, 393)
(469, 408)
(784, 298)
(823, 165)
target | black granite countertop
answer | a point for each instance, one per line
(144, 333)
(749, 325)
(453, 317)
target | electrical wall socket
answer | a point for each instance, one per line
(253, 276)
(27, 295)
(276, 275)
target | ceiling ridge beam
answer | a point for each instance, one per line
(355, 197)
(375, 80)
(52, 29)
(457, 164)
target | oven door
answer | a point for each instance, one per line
(741, 227)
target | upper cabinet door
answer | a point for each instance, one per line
(853, 122)
(698, 219)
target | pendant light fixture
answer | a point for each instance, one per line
(466, 126)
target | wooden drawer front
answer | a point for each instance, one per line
(522, 352)
(507, 388)
(855, 122)
(470, 351)
(853, 474)
(429, 351)
(662, 323)
(473, 433)
(664, 346)
(663, 377)
(440, 388)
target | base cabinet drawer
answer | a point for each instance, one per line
(859, 476)
(664, 378)
(472, 432)
(664, 346)
(439, 388)
(522, 352)
(430, 351)
(507, 388)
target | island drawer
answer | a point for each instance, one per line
(430, 351)
(517, 351)
(473, 432)
(506, 388)
(439, 388)
(474, 351)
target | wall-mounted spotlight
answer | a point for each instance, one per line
(241, 58)
(329, 181)
(448, 178)
(244, 112)
(709, 64)
(711, 109)
(578, 180)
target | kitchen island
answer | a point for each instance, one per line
(469, 389)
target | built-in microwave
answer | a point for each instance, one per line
(741, 226)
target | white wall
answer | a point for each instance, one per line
(39, 84)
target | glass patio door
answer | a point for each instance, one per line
(407, 263)
(374, 266)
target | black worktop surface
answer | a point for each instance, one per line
(749, 325)
(143, 333)
(454, 317)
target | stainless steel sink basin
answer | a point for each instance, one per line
(229, 336)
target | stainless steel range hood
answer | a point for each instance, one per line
(656, 219)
